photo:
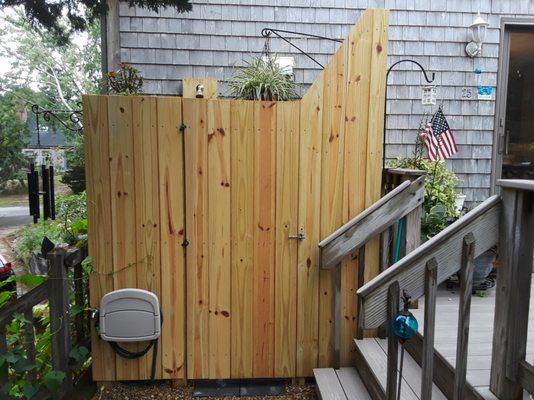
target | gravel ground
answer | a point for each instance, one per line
(163, 391)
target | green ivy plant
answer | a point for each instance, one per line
(440, 192)
(71, 227)
(262, 79)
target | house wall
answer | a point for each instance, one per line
(219, 35)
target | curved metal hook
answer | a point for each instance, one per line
(423, 70)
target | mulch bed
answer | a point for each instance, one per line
(163, 391)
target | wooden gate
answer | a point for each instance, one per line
(217, 206)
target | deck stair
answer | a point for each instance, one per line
(340, 384)
(506, 220)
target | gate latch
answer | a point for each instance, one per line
(299, 236)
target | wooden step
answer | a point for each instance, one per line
(372, 354)
(340, 384)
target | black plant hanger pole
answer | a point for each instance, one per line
(423, 70)
(266, 33)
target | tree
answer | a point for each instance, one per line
(58, 75)
(51, 14)
(13, 136)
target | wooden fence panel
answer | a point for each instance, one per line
(219, 262)
(309, 226)
(196, 211)
(172, 236)
(98, 187)
(125, 263)
(245, 297)
(242, 199)
(285, 275)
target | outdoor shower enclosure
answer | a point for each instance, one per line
(217, 206)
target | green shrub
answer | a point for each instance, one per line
(262, 79)
(440, 192)
(69, 227)
(31, 236)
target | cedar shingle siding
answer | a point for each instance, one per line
(219, 35)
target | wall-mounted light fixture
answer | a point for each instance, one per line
(478, 33)
(199, 91)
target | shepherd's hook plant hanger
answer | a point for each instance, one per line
(429, 80)
(266, 33)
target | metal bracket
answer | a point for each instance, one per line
(300, 236)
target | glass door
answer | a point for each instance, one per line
(517, 141)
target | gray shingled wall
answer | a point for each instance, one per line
(218, 35)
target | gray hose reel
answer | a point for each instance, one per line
(131, 315)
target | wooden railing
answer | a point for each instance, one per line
(404, 200)
(508, 222)
(55, 290)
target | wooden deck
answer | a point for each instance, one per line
(480, 333)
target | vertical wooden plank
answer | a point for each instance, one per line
(264, 237)
(331, 216)
(172, 234)
(147, 215)
(516, 233)
(98, 186)
(60, 344)
(287, 157)
(375, 127)
(466, 288)
(4, 371)
(125, 262)
(242, 221)
(219, 185)
(196, 168)
(431, 286)
(29, 342)
(393, 343)
(309, 213)
(356, 83)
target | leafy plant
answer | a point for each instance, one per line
(31, 237)
(262, 79)
(440, 192)
(124, 81)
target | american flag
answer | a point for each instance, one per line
(438, 138)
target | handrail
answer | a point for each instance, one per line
(372, 221)
(482, 221)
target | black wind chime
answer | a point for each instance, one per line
(69, 120)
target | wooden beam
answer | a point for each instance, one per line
(371, 222)
(464, 313)
(483, 222)
(393, 342)
(431, 276)
(526, 376)
(512, 292)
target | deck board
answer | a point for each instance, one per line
(480, 333)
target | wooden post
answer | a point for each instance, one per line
(431, 284)
(4, 377)
(466, 288)
(79, 301)
(513, 292)
(59, 314)
(360, 283)
(29, 339)
(337, 311)
(393, 342)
